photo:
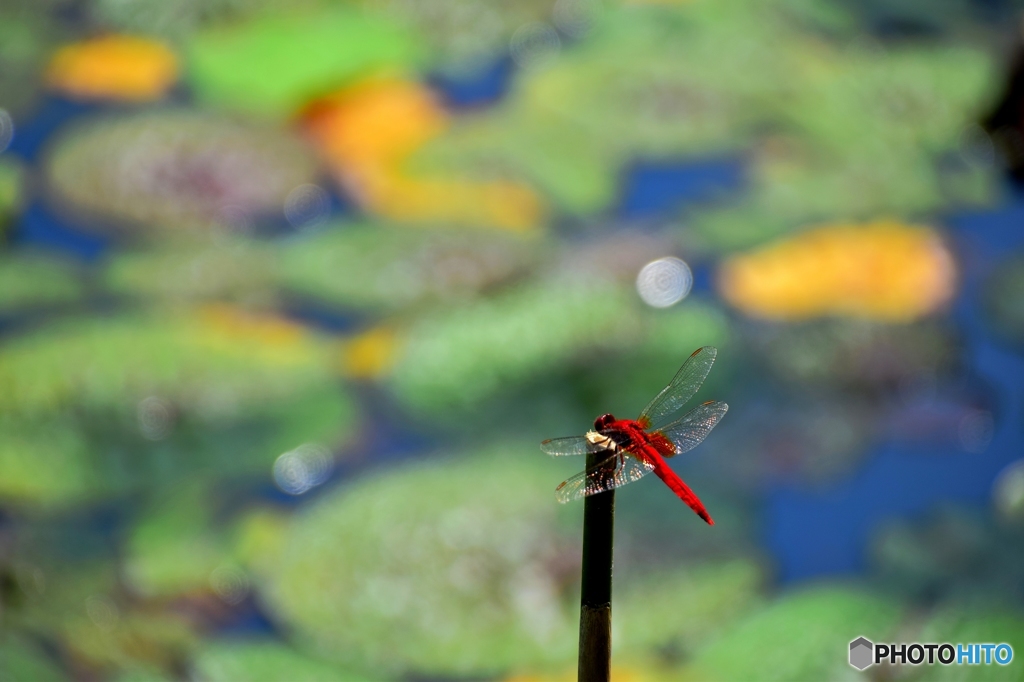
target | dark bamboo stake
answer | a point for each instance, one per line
(596, 593)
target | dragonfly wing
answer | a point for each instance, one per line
(572, 445)
(688, 431)
(682, 387)
(619, 469)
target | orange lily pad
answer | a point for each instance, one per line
(117, 67)
(885, 270)
(368, 131)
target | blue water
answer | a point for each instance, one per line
(654, 189)
(477, 89)
(825, 531)
(39, 227)
(52, 113)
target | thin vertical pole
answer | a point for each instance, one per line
(596, 593)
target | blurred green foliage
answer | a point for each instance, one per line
(127, 402)
(37, 280)
(795, 637)
(27, 34)
(464, 37)
(974, 623)
(843, 120)
(445, 571)
(194, 270)
(266, 660)
(271, 65)
(203, 365)
(1004, 300)
(693, 606)
(176, 169)
(12, 189)
(174, 547)
(457, 358)
(380, 268)
(21, 660)
(181, 19)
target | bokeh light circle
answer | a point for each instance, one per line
(102, 612)
(664, 282)
(574, 17)
(230, 583)
(307, 206)
(305, 467)
(534, 45)
(156, 418)
(976, 146)
(1008, 492)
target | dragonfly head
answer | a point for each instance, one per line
(603, 422)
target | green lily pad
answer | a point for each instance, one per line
(82, 455)
(466, 354)
(174, 548)
(212, 364)
(176, 170)
(672, 614)
(110, 638)
(456, 358)
(464, 36)
(143, 674)
(34, 280)
(44, 461)
(76, 604)
(21, 661)
(146, 402)
(273, 64)
(224, 269)
(853, 147)
(956, 623)
(801, 636)
(445, 568)
(645, 81)
(656, 82)
(228, 661)
(28, 32)
(875, 103)
(561, 159)
(376, 267)
(152, 17)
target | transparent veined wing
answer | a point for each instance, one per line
(619, 469)
(691, 429)
(571, 445)
(682, 387)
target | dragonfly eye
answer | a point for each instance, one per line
(603, 422)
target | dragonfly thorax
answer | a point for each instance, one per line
(601, 441)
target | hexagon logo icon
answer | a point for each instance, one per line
(861, 653)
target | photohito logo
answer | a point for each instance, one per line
(865, 653)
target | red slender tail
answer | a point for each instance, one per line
(677, 486)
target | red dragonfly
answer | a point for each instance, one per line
(639, 446)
